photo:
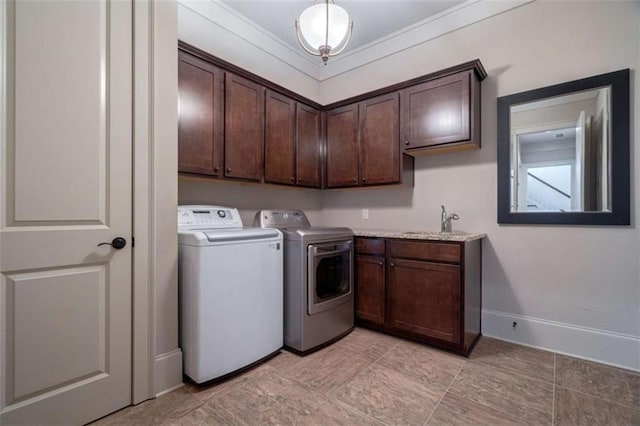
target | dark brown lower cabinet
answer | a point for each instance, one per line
(426, 290)
(370, 291)
(424, 298)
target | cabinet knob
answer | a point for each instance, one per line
(355, 180)
(293, 179)
(228, 169)
(300, 180)
(406, 142)
(216, 169)
(364, 179)
(392, 264)
(380, 263)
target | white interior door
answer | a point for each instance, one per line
(65, 304)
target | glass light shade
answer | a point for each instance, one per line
(313, 25)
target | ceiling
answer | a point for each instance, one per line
(372, 19)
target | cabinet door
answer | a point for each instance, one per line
(309, 135)
(279, 148)
(424, 299)
(380, 140)
(342, 147)
(200, 131)
(437, 112)
(369, 288)
(244, 128)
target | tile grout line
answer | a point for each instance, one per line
(445, 393)
(328, 393)
(553, 400)
(481, 365)
(329, 397)
(482, 404)
(365, 368)
(356, 409)
(608, 401)
(510, 371)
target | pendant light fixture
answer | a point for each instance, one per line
(324, 29)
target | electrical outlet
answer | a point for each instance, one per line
(365, 213)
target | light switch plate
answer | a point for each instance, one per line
(365, 213)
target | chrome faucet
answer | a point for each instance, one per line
(445, 221)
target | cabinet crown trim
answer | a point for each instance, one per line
(474, 65)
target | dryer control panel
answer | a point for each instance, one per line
(208, 217)
(281, 219)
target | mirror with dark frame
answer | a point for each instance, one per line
(563, 153)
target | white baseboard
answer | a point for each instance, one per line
(616, 349)
(168, 372)
(170, 390)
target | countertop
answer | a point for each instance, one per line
(459, 236)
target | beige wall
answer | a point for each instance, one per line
(582, 276)
(197, 26)
(249, 197)
(569, 285)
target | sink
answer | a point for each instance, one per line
(452, 233)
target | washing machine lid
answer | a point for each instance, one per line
(208, 217)
(210, 237)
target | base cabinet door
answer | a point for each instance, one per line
(370, 292)
(423, 298)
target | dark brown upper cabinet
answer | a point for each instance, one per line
(292, 142)
(442, 114)
(244, 128)
(235, 124)
(379, 149)
(363, 144)
(279, 143)
(201, 114)
(308, 143)
(342, 147)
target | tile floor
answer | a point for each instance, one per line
(368, 378)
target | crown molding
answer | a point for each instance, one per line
(458, 17)
(450, 20)
(227, 19)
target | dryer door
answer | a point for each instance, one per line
(330, 280)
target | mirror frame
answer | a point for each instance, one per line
(620, 159)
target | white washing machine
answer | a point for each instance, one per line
(231, 292)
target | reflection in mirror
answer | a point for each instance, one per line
(560, 153)
(563, 153)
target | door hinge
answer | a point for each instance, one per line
(133, 241)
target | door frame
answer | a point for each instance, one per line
(142, 356)
(155, 171)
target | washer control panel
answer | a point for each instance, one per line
(194, 217)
